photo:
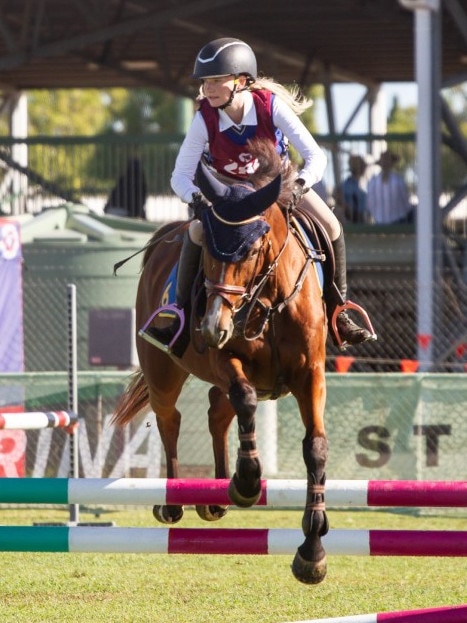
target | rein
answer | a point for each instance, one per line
(253, 298)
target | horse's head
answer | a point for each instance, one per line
(234, 232)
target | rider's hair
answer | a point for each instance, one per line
(292, 96)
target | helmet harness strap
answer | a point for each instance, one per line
(232, 95)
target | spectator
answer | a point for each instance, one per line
(351, 196)
(388, 197)
(129, 194)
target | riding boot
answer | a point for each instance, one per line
(187, 270)
(349, 332)
(188, 265)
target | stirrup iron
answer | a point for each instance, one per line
(144, 331)
(345, 306)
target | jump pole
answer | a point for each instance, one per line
(34, 420)
(443, 614)
(238, 541)
(275, 493)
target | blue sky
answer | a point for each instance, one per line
(347, 96)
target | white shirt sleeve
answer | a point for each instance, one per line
(188, 158)
(314, 158)
(196, 139)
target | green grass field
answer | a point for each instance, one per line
(134, 588)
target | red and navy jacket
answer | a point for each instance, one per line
(227, 152)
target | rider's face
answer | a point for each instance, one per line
(217, 90)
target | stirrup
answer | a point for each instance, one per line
(145, 333)
(350, 305)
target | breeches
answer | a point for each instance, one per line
(313, 203)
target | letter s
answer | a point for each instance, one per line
(366, 440)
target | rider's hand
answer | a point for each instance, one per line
(299, 189)
(198, 204)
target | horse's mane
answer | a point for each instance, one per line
(270, 166)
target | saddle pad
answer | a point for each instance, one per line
(169, 296)
(317, 263)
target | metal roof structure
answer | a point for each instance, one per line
(53, 44)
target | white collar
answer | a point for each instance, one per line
(249, 114)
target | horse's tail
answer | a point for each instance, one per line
(133, 400)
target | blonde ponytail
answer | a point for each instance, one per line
(292, 96)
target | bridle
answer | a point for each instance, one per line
(247, 297)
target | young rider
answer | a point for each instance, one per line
(234, 107)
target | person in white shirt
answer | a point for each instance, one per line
(235, 106)
(387, 196)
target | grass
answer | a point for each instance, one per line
(140, 588)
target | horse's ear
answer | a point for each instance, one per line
(260, 200)
(212, 188)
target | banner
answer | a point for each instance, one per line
(12, 443)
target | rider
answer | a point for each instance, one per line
(235, 106)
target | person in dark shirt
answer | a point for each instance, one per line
(128, 196)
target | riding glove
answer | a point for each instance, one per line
(198, 204)
(299, 189)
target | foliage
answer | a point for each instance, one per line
(65, 112)
(91, 112)
(403, 120)
(454, 167)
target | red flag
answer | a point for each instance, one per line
(343, 364)
(409, 365)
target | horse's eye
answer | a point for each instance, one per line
(253, 253)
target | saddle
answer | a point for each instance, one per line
(320, 241)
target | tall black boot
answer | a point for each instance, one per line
(188, 265)
(187, 270)
(349, 332)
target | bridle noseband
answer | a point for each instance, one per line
(224, 290)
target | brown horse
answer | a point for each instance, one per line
(259, 330)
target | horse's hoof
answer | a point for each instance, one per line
(241, 500)
(168, 514)
(307, 571)
(211, 513)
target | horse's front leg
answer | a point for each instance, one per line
(245, 486)
(309, 565)
(220, 414)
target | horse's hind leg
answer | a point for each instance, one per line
(221, 414)
(164, 390)
(168, 423)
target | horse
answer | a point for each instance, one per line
(258, 331)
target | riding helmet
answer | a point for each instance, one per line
(223, 57)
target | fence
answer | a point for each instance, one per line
(380, 427)
(85, 169)
(381, 259)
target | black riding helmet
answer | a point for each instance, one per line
(224, 57)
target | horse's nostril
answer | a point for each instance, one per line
(223, 338)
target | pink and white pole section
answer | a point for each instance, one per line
(443, 614)
(229, 541)
(275, 493)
